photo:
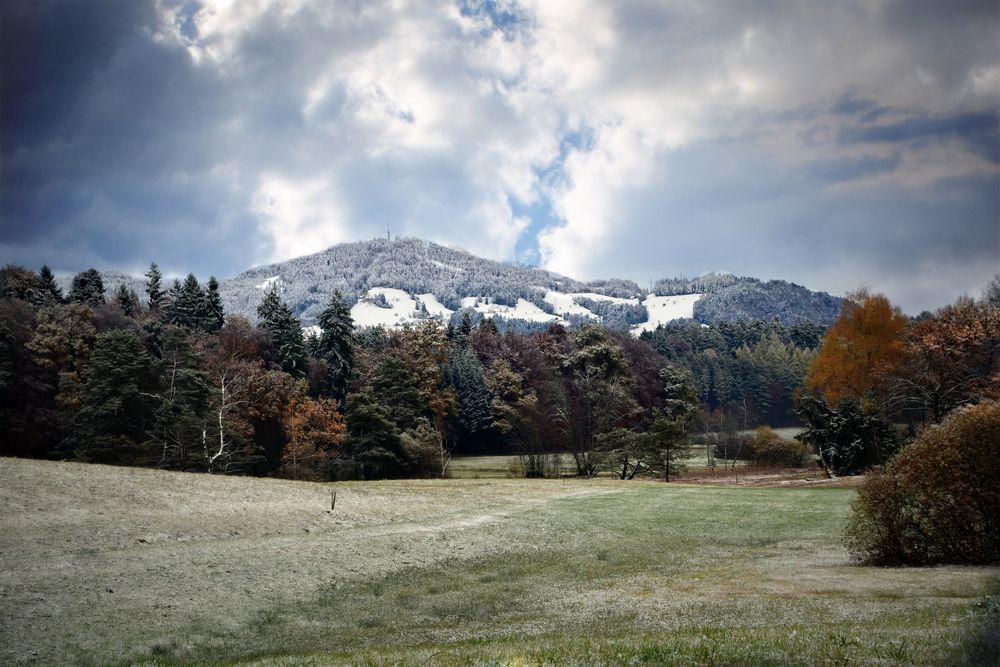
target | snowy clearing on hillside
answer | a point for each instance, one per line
(593, 296)
(524, 310)
(400, 311)
(310, 330)
(565, 305)
(434, 307)
(266, 285)
(663, 309)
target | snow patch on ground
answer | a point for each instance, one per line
(593, 296)
(434, 307)
(663, 309)
(565, 305)
(402, 309)
(266, 285)
(524, 310)
(310, 330)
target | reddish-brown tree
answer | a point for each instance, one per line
(866, 339)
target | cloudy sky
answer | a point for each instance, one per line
(834, 144)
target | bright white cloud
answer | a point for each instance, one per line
(299, 216)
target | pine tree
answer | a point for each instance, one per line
(465, 374)
(336, 345)
(188, 305)
(88, 288)
(374, 440)
(114, 409)
(286, 333)
(48, 285)
(399, 389)
(214, 317)
(157, 298)
(127, 300)
(182, 408)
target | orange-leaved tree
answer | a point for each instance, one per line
(315, 432)
(867, 337)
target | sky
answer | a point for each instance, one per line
(837, 145)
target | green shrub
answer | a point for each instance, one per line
(938, 501)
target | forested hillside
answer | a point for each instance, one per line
(437, 282)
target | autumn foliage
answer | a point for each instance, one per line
(938, 501)
(866, 339)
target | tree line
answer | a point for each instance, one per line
(168, 379)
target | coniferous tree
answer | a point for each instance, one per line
(47, 283)
(374, 440)
(399, 390)
(286, 333)
(88, 288)
(214, 317)
(114, 408)
(157, 297)
(336, 345)
(181, 410)
(465, 374)
(188, 304)
(127, 300)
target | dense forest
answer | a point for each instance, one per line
(170, 379)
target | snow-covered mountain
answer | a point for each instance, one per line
(405, 280)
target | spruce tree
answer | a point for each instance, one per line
(47, 283)
(188, 307)
(399, 390)
(157, 297)
(127, 300)
(88, 288)
(214, 317)
(114, 409)
(336, 346)
(286, 333)
(465, 374)
(373, 439)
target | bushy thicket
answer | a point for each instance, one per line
(767, 448)
(938, 501)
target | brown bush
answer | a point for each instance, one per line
(768, 448)
(938, 501)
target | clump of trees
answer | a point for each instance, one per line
(938, 501)
(879, 377)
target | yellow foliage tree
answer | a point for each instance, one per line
(867, 337)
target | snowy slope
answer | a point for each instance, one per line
(663, 309)
(524, 310)
(403, 309)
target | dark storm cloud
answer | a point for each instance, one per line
(979, 130)
(108, 139)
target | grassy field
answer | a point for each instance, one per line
(106, 565)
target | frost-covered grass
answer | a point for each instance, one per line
(224, 570)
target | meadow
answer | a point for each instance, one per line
(108, 565)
